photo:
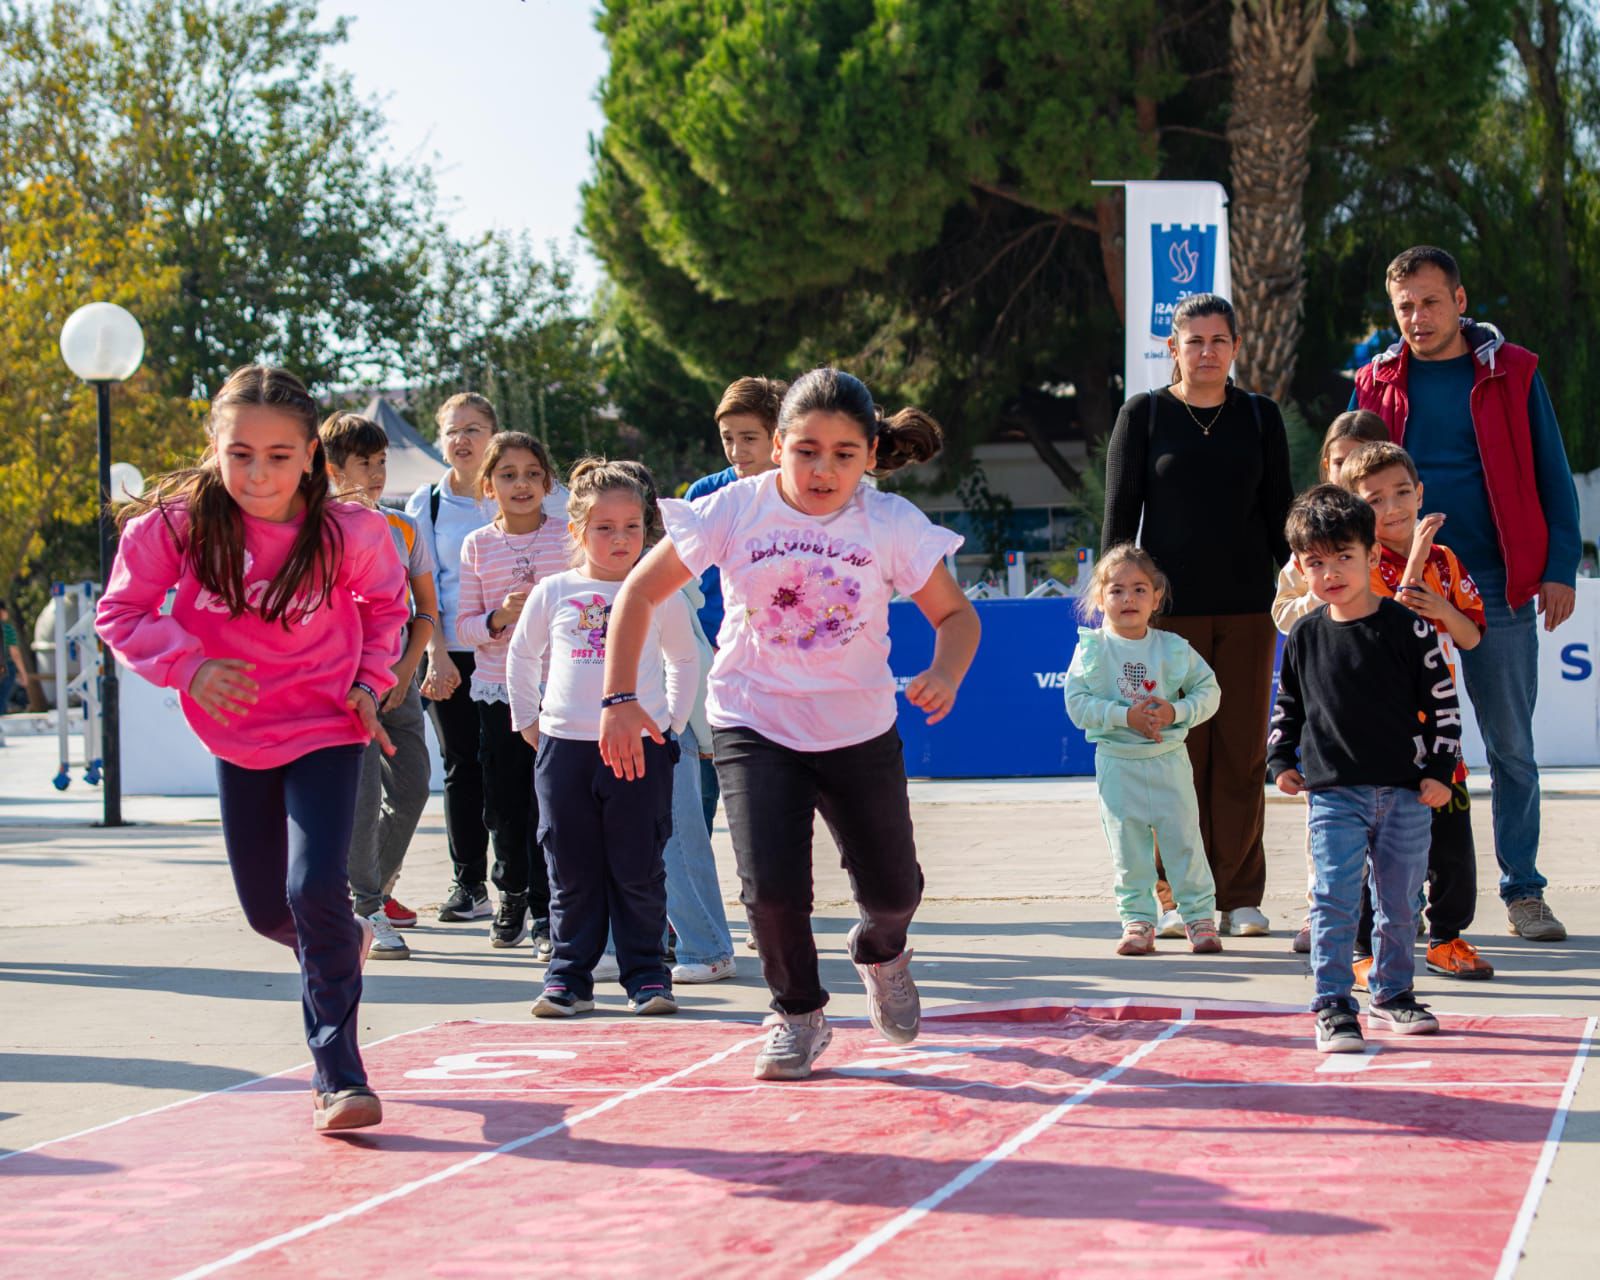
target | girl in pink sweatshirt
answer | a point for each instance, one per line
(499, 565)
(287, 615)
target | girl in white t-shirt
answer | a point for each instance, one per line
(602, 835)
(802, 702)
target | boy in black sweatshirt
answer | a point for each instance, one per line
(1367, 724)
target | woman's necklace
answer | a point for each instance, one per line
(1205, 427)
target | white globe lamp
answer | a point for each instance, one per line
(127, 483)
(102, 343)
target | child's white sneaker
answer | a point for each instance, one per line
(794, 1042)
(716, 971)
(1170, 924)
(1245, 922)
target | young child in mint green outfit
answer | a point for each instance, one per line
(1136, 692)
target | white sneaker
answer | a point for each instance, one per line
(608, 970)
(1170, 925)
(367, 934)
(795, 1041)
(892, 1000)
(716, 971)
(1245, 922)
(385, 942)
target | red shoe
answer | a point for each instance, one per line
(400, 917)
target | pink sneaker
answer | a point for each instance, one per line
(1203, 935)
(1138, 939)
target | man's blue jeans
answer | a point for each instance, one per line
(1349, 826)
(1502, 676)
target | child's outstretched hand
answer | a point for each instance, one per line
(220, 688)
(621, 729)
(1433, 793)
(932, 693)
(1291, 782)
(366, 710)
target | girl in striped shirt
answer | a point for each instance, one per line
(500, 563)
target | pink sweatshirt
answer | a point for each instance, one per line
(495, 563)
(305, 672)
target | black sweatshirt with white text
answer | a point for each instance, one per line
(1365, 703)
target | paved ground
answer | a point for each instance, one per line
(128, 979)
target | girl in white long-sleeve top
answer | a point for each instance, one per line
(602, 835)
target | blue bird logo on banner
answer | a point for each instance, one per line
(1183, 262)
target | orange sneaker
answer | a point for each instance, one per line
(1458, 959)
(1361, 968)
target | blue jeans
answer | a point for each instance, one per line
(694, 897)
(1502, 676)
(1349, 826)
(710, 791)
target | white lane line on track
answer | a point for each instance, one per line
(1512, 1254)
(870, 1244)
(442, 1175)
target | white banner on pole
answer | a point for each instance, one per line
(1176, 244)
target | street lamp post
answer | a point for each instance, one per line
(103, 344)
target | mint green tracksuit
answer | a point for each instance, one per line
(1146, 788)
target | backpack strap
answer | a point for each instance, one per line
(435, 494)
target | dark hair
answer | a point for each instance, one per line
(760, 397)
(1195, 306)
(1325, 517)
(215, 542)
(909, 436)
(654, 530)
(504, 442)
(1107, 565)
(1410, 262)
(1353, 424)
(1370, 459)
(347, 435)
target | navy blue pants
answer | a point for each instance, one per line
(287, 830)
(602, 838)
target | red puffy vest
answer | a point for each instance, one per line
(1503, 376)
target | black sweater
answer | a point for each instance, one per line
(1213, 505)
(1349, 698)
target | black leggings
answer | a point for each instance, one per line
(510, 808)
(1452, 875)
(771, 793)
(287, 832)
(455, 721)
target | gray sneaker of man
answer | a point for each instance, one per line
(795, 1041)
(892, 999)
(1531, 918)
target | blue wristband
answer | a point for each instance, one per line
(617, 699)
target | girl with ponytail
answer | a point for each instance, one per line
(801, 699)
(287, 619)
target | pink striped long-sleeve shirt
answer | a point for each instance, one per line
(495, 563)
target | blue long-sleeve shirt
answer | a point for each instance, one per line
(1441, 441)
(710, 612)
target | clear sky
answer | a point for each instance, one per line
(498, 95)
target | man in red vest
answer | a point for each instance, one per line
(1473, 412)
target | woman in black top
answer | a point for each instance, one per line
(1205, 467)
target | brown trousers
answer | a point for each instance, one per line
(1229, 751)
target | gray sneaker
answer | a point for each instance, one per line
(794, 1043)
(892, 998)
(386, 944)
(1531, 918)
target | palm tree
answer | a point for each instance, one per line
(1274, 46)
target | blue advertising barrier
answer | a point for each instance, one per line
(1011, 717)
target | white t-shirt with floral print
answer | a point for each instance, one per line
(803, 653)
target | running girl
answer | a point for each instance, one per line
(1136, 692)
(500, 563)
(603, 836)
(802, 702)
(288, 618)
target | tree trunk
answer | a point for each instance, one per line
(1273, 60)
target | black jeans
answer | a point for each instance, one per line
(287, 832)
(602, 838)
(1452, 875)
(510, 808)
(455, 721)
(771, 793)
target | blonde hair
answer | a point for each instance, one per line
(590, 478)
(1105, 569)
(466, 400)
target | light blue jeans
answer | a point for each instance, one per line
(1502, 676)
(1350, 826)
(694, 897)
